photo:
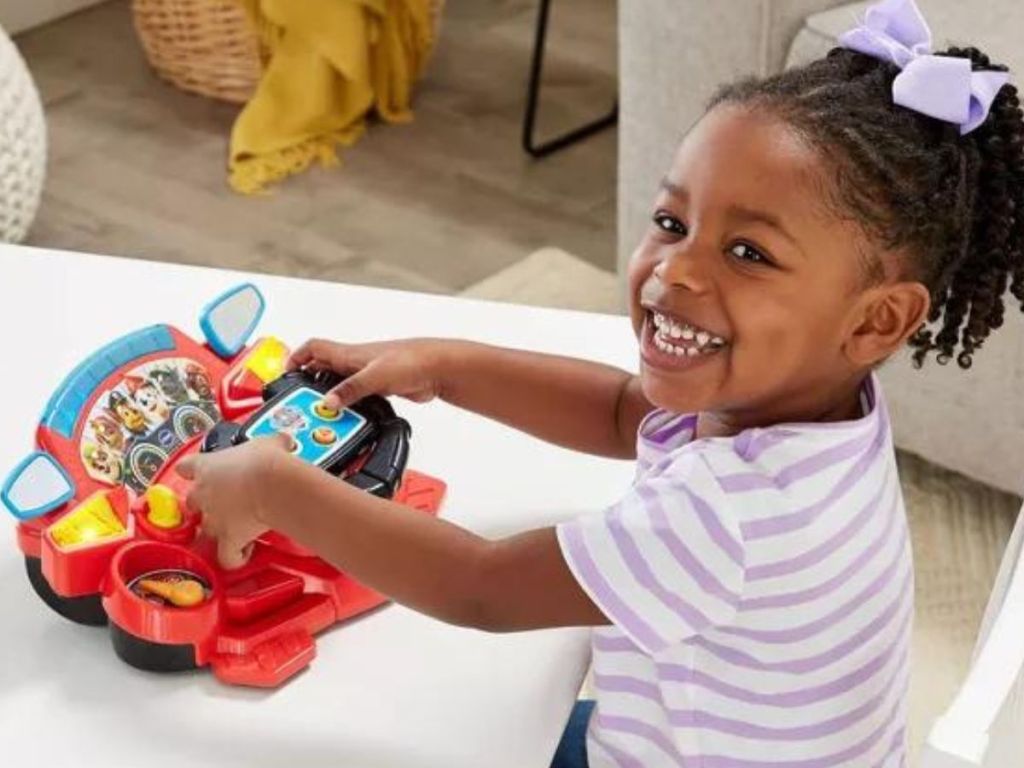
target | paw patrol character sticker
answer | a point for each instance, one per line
(102, 463)
(288, 419)
(122, 408)
(170, 382)
(107, 431)
(148, 398)
(198, 381)
(147, 417)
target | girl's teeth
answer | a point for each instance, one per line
(669, 332)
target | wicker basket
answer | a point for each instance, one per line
(207, 47)
(203, 46)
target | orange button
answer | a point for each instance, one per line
(324, 412)
(324, 435)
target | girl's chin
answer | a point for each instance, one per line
(681, 383)
(669, 392)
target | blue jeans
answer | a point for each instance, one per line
(572, 749)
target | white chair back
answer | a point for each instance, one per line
(984, 726)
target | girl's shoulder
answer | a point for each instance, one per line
(779, 455)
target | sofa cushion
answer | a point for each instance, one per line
(993, 26)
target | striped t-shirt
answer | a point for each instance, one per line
(760, 593)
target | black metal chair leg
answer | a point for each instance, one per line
(533, 96)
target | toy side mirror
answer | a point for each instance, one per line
(229, 320)
(36, 486)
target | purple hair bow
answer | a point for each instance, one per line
(943, 87)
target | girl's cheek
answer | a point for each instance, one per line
(641, 265)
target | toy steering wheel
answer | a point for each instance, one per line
(366, 444)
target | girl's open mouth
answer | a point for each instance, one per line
(669, 342)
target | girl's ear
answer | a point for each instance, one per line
(887, 316)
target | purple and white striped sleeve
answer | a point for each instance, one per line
(664, 563)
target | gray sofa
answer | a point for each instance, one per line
(673, 53)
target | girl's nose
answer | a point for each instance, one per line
(682, 268)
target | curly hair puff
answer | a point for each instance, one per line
(953, 204)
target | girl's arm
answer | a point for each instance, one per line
(431, 565)
(578, 404)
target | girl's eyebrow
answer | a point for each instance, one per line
(672, 188)
(737, 212)
(741, 213)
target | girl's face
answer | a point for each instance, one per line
(745, 288)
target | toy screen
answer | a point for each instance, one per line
(319, 434)
(135, 427)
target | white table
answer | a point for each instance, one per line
(391, 689)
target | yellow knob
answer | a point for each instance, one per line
(321, 410)
(164, 511)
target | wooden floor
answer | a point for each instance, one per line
(137, 168)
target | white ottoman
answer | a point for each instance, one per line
(22, 144)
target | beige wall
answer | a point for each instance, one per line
(19, 15)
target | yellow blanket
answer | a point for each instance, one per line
(331, 62)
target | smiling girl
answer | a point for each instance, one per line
(752, 592)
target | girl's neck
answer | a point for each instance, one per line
(843, 406)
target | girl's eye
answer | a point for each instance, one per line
(668, 223)
(745, 252)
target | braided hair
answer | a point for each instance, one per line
(954, 205)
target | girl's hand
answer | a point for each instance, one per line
(411, 369)
(226, 491)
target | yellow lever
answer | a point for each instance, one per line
(164, 510)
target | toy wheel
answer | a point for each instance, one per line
(221, 436)
(86, 610)
(150, 656)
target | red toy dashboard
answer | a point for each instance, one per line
(103, 529)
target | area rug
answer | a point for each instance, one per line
(551, 277)
(959, 527)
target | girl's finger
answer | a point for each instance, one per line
(299, 356)
(307, 352)
(208, 526)
(193, 503)
(280, 440)
(187, 466)
(371, 380)
(231, 554)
